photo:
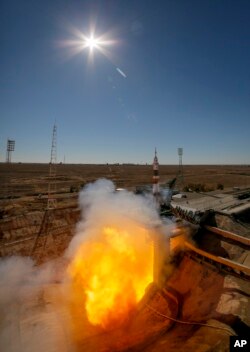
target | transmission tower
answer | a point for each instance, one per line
(51, 204)
(180, 177)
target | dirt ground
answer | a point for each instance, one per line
(32, 179)
(24, 187)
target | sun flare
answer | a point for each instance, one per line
(92, 42)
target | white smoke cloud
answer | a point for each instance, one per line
(21, 281)
(102, 206)
(15, 273)
(19, 277)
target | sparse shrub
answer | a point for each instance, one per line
(220, 186)
(197, 187)
(73, 189)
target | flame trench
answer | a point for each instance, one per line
(111, 271)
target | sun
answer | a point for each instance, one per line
(91, 42)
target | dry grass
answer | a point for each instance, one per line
(29, 179)
(21, 184)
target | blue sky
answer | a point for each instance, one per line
(187, 81)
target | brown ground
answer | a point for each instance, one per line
(24, 187)
(30, 179)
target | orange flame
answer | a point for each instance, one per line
(111, 272)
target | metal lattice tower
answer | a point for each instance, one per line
(51, 204)
(48, 217)
(10, 149)
(180, 177)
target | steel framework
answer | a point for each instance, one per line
(48, 217)
(52, 203)
(10, 149)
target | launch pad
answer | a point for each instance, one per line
(197, 305)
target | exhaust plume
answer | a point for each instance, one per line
(112, 252)
(101, 205)
(110, 265)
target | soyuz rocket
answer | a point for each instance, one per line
(156, 189)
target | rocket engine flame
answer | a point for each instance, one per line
(113, 273)
(112, 263)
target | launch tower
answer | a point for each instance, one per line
(52, 173)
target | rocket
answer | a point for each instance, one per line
(156, 189)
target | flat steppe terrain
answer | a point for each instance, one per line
(31, 178)
(25, 186)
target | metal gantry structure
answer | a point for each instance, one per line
(48, 217)
(51, 204)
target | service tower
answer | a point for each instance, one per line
(156, 189)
